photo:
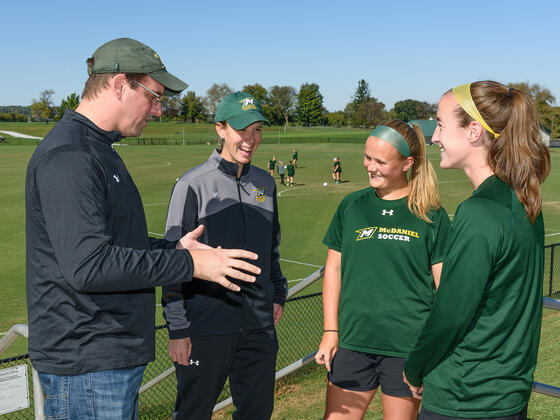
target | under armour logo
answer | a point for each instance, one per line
(194, 362)
(389, 212)
(215, 195)
(116, 178)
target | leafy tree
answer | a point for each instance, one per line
(411, 109)
(214, 95)
(282, 100)
(40, 111)
(46, 97)
(170, 106)
(544, 101)
(370, 113)
(192, 107)
(257, 91)
(16, 109)
(70, 102)
(336, 119)
(310, 108)
(362, 108)
(13, 117)
(539, 94)
(361, 94)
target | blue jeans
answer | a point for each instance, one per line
(108, 394)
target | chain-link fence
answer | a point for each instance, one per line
(299, 334)
(28, 413)
(551, 286)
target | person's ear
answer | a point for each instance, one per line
(221, 130)
(475, 131)
(408, 163)
(118, 84)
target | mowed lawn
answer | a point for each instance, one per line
(305, 212)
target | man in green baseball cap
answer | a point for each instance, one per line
(91, 267)
(126, 55)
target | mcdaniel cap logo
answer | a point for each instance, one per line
(239, 109)
(126, 55)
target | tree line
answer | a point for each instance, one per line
(283, 105)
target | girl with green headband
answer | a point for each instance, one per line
(477, 351)
(386, 245)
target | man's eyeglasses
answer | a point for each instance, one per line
(156, 95)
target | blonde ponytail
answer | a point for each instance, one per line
(424, 192)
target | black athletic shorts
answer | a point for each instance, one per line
(359, 371)
(426, 414)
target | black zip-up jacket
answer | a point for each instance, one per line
(91, 267)
(236, 213)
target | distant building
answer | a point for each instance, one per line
(427, 126)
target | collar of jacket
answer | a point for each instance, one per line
(229, 168)
(108, 137)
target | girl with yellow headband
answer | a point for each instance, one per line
(386, 245)
(477, 351)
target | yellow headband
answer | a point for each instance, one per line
(463, 96)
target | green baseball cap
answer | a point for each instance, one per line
(126, 55)
(239, 109)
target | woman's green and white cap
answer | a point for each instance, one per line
(239, 109)
(393, 137)
(126, 55)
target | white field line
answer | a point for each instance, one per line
(157, 234)
(552, 234)
(299, 262)
(548, 203)
(158, 165)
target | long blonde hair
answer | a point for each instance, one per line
(518, 156)
(422, 183)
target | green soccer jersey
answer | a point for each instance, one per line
(271, 164)
(477, 351)
(387, 285)
(291, 169)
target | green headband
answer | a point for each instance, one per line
(393, 137)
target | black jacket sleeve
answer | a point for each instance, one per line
(72, 199)
(276, 276)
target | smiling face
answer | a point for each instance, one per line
(386, 166)
(452, 139)
(139, 106)
(240, 145)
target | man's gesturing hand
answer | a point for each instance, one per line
(190, 240)
(215, 264)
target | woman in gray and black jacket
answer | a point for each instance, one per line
(215, 334)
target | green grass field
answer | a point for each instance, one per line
(305, 212)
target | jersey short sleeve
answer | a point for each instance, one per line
(441, 231)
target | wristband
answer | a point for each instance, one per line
(330, 331)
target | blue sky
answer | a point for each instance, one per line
(403, 49)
